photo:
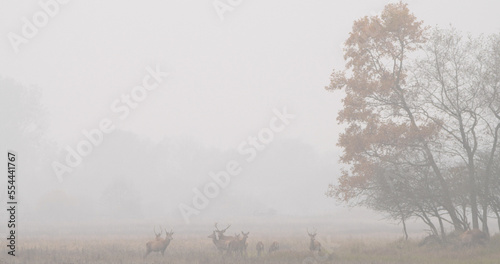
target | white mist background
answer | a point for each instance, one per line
(227, 76)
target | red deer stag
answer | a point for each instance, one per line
(220, 234)
(221, 245)
(275, 246)
(259, 248)
(314, 245)
(473, 237)
(159, 245)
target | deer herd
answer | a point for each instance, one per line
(230, 245)
(237, 244)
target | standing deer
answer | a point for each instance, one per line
(239, 245)
(243, 243)
(473, 237)
(260, 248)
(159, 244)
(275, 246)
(220, 233)
(221, 245)
(314, 245)
(234, 244)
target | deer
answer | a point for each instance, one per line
(220, 234)
(221, 245)
(234, 244)
(314, 245)
(243, 243)
(159, 245)
(260, 248)
(473, 237)
(239, 245)
(275, 246)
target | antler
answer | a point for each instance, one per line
(314, 232)
(223, 230)
(156, 234)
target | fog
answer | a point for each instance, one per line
(220, 83)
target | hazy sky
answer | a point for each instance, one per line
(226, 77)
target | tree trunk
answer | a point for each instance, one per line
(485, 219)
(471, 170)
(447, 203)
(473, 202)
(495, 210)
(487, 176)
(404, 228)
(441, 225)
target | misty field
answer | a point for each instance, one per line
(293, 249)
(276, 132)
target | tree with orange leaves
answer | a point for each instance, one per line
(384, 128)
(422, 116)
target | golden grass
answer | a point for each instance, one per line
(199, 249)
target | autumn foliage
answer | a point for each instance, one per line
(421, 111)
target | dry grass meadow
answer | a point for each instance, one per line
(191, 245)
(293, 250)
